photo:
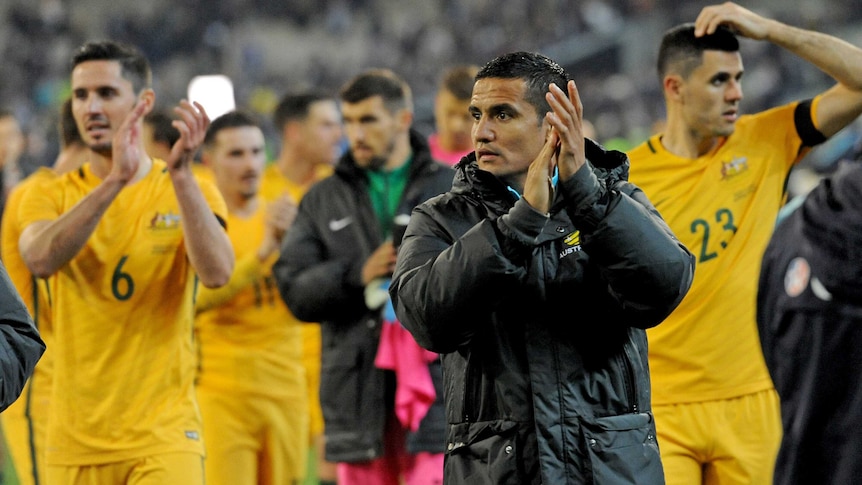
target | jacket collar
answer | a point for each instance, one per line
(609, 165)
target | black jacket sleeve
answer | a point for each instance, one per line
(314, 286)
(21, 347)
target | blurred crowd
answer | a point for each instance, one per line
(269, 46)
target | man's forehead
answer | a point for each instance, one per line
(715, 61)
(495, 91)
(106, 72)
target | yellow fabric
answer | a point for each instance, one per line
(728, 441)
(274, 185)
(722, 206)
(25, 421)
(203, 172)
(250, 343)
(250, 378)
(122, 313)
(246, 271)
(160, 469)
(253, 439)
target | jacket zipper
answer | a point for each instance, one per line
(468, 401)
(628, 378)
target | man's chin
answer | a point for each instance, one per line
(374, 163)
(103, 149)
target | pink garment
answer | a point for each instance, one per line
(441, 154)
(396, 466)
(414, 389)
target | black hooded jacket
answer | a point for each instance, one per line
(809, 315)
(319, 275)
(541, 322)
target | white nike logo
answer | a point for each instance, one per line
(336, 225)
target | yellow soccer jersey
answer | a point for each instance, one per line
(274, 184)
(203, 172)
(24, 422)
(124, 360)
(249, 343)
(722, 206)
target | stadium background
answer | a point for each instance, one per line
(267, 47)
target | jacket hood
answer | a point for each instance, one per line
(832, 223)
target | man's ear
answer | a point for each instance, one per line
(405, 119)
(147, 96)
(292, 130)
(206, 160)
(673, 85)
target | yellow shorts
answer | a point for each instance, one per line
(729, 441)
(311, 362)
(185, 468)
(253, 439)
(24, 425)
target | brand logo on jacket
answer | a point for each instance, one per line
(571, 243)
(336, 225)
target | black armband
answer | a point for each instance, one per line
(805, 125)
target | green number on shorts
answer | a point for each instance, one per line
(118, 277)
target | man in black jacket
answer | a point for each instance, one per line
(809, 315)
(334, 268)
(20, 343)
(535, 277)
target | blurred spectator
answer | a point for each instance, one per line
(159, 134)
(453, 121)
(309, 127)
(11, 147)
(250, 383)
(333, 269)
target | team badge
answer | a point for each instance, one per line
(797, 277)
(168, 220)
(735, 167)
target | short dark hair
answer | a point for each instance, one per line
(295, 106)
(164, 130)
(69, 134)
(459, 80)
(134, 65)
(536, 70)
(395, 92)
(680, 50)
(231, 119)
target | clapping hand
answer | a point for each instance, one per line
(563, 148)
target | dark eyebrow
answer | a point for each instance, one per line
(497, 109)
(725, 75)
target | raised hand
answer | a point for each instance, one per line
(380, 263)
(192, 125)
(741, 20)
(566, 119)
(280, 215)
(563, 149)
(538, 189)
(126, 148)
